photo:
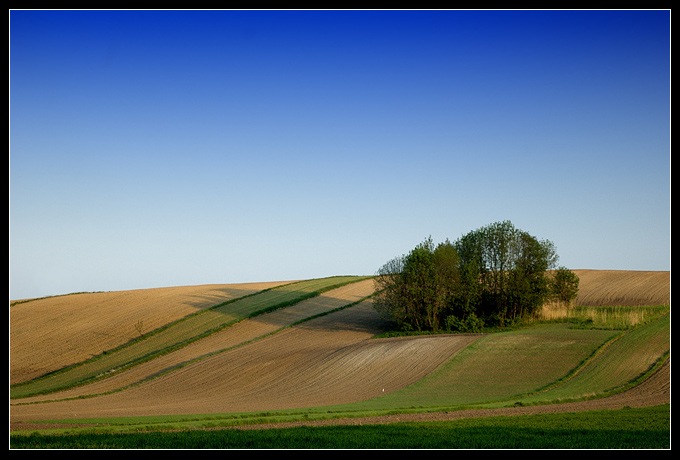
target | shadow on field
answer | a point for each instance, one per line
(359, 318)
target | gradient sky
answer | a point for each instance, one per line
(163, 148)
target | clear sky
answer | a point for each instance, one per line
(164, 148)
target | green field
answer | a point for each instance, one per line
(647, 428)
(617, 366)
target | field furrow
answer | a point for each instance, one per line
(235, 335)
(602, 288)
(55, 332)
(327, 360)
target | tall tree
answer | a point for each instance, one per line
(415, 289)
(564, 285)
(511, 267)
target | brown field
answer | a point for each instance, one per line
(623, 288)
(328, 360)
(50, 333)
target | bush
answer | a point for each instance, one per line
(469, 324)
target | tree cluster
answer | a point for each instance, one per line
(491, 275)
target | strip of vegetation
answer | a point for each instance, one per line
(612, 317)
(179, 334)
(639, 428)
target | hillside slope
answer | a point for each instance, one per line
(328, 360)
(235, 335)
(50, 333)
(623, 287)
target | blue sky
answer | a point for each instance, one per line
(163, 148)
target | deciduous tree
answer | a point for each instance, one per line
(496, 273)
(564, 285)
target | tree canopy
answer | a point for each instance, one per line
(494, 274)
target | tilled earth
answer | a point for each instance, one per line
(654, 391)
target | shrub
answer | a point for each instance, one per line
(470, 324)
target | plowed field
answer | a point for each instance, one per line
(601, 288)
(48, 334)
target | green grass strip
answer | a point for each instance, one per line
(639, 428)
(178, 334)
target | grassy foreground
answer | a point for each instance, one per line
(645, 428)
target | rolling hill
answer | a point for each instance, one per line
(305, 345)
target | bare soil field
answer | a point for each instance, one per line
(50, 333)
(328, 360)
(623, 288)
